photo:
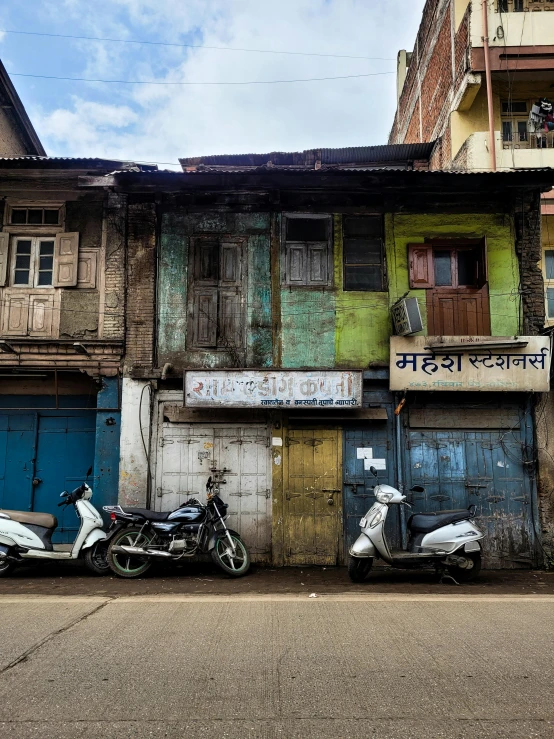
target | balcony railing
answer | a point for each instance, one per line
(520, 139)
(522, 6)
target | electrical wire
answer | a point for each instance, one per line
(195, 46)
(200, 84)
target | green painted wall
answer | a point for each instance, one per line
(362, 318)
(502, 264)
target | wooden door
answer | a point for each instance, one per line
(313, 499)
(461, 312)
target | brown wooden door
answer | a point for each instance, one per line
(461, 312)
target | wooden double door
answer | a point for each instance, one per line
(312, 497)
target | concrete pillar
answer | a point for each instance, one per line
(135, 446)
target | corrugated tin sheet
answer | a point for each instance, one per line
(351, 155)
(34, 162)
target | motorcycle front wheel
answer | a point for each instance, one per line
(235, 563)
(359, 568)
(128, 565)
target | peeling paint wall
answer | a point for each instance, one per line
(176, 231)
(133, 463)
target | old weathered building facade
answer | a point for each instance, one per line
(62, 332)
(268, 281)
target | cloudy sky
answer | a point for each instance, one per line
(161, 122)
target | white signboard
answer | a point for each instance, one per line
(508, 368)
(273, 389)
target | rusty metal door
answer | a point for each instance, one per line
(312, 497)
(486, 468)
(188, 455)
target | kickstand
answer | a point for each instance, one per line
(445, 577)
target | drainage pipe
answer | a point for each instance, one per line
(492, 143)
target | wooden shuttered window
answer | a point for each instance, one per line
(66, 256)
(457, 293)
(306, 252)
(216, 319)
(420, 262)
(4, 257)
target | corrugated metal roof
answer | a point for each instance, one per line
(34, 162)
(349, 155)
(359, 170)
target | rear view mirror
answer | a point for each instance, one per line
(373, 471)
(417, 489)
(89, 473)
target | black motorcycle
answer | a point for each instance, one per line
(138, 537)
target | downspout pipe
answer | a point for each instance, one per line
(492, 144)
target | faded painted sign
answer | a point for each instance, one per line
(273, 389)
(477, 367)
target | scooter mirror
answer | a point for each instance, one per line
(373, 471)
(89, 473)
(417, 489)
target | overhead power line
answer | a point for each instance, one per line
(194, 46)
(154, 82)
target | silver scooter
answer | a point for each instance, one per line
(445, 540)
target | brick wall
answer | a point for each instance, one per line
(529, 252)
(432, 63)
(114, 268)
(141, 288)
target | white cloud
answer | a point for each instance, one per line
(161, 123)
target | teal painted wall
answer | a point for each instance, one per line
(176, 231)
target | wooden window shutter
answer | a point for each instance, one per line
(230, 266)
(66, 254)
(15, 315)
(230, 320)
(317, 264)
(4, 246)
(420, 260)
(296, 264)
(204, 317)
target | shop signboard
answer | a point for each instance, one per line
(472, 363)
(273, 389)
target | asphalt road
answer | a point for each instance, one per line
(351, 665)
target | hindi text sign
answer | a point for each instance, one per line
(273, 389)
(516, 368)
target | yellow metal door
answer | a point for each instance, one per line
(313, 500)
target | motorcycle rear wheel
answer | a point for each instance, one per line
(126, 565)
(235, 565)
(6, 568)
(359, 568)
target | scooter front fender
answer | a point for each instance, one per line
(363, 547)
(7, 541)
(93, 537)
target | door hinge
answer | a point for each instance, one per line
(289, 441)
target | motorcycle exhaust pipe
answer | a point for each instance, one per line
(139, 552)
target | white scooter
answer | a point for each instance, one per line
(25, 535)
(445, 540)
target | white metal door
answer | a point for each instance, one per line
(187, 456)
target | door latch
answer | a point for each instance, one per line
(36, 481)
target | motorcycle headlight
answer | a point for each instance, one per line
(377, 518)
(383, 497)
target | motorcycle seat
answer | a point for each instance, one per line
(149, 515)
(424, 523)
(45, 520)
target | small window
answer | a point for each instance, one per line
(550, 302)
(33, 262)
(448, 267)
(35, 216)
(549, 264)
(363, 255)
(514, 107)
(307, 254)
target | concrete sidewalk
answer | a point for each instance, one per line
(346, 665)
